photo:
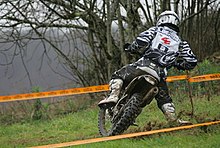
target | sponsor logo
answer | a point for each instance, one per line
(165, 40)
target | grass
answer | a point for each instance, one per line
(83, 125)
(71, 120)
(181, 139)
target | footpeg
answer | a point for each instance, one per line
(134, 124)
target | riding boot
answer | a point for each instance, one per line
(115, 88)
(169, 112)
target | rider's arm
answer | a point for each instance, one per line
(143, 39)
(187, 60)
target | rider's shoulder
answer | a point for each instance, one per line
(153, 28)
(150, 30)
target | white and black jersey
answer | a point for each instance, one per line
(164, 47)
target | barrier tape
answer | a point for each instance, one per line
(207, 77)
(100, 88)
(56, 93)
(175, 78)
(94, 140)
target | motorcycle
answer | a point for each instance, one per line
(138, 94)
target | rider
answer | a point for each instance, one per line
(164, 49)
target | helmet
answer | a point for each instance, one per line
(168, 17)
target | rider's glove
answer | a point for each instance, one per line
(127, 47)
(179, 66)
(183, 65)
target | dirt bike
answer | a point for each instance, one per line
(138, 94)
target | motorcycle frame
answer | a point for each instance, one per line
(145, 85)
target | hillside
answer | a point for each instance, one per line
(83, 125)
(36, 122)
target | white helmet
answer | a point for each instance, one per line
(168, 17)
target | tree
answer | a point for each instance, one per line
(95, 31)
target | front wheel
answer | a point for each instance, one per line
(104, 121)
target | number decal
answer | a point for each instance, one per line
(162, 47)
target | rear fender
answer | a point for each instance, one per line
(141, 85)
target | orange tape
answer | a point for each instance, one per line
(175, 78)
(88, 141)
(205, 78)
(55, 93)
(100, 88)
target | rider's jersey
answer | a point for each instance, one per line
(163, 46)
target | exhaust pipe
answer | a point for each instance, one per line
(149, 96)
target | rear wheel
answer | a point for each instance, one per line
(127, 117)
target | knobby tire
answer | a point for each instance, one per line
(130, 113)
